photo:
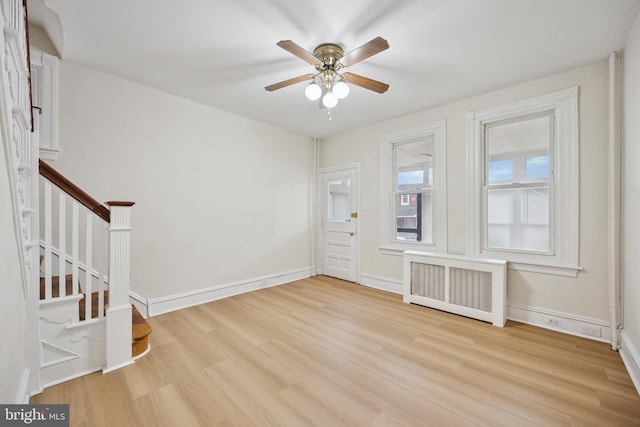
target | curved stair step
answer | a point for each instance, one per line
(140, 331)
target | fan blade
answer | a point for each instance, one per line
(289, 82)
(301, 53)
(365, 82)
(376, 45)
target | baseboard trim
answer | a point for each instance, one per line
(140, 303)
(156, 306)
(585, 327)
(116, 367)
(22, 396)
(70, 377)
(593, 329)
(382, 283)
(631, 359)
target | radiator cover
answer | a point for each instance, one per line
(472, 287)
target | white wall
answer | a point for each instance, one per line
(585, 296)
(632, 194)
(12, 301)
(219, 198)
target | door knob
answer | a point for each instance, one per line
(351, 233)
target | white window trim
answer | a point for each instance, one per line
(47, 66)
(565, 260)
(387, 223)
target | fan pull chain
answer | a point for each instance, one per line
(329, 114)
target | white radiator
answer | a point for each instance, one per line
(471, 287)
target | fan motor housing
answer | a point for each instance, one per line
(328, 53)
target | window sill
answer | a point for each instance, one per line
(555, 270)
(398, 250)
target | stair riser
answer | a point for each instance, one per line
(86, 340)
(59, 311)
(139, 346)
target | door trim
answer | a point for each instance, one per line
(355, 167)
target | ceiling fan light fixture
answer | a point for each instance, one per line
(329, 100)
(341, 90)
(328, 59)
(313, 92)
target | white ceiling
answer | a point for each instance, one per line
(223, 52)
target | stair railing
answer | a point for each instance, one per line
(94, 259)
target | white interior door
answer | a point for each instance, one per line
(340, 223)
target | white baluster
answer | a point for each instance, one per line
(47, 240)
(62, 250)
(74, 248)
(102, 248)
(88, 264)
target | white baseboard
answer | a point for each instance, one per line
(106, 370)
(631, 358)
(594, 329)
(22, 396)
(382, 283)
(156, 306)
(51, 383)
(140, 303)
(562, 322)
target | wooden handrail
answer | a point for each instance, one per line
(28, 48)
(74, 191)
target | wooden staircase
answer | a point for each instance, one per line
(140, 328)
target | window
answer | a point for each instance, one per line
(339, 204)
(519, 210)
(414, 188)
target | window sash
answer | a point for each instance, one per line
(420, 222)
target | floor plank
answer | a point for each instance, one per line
(325, 352)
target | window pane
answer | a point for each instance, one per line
(414, 220)
(500, 207)
(413, 164)
(339, 200)
(518, 151)
(518, 219)
(537, 168)
(410, 178)
(500, 171)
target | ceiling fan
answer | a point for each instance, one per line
(328, 59)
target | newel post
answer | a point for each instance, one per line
(119, 309)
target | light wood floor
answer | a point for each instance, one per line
(330, 353)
